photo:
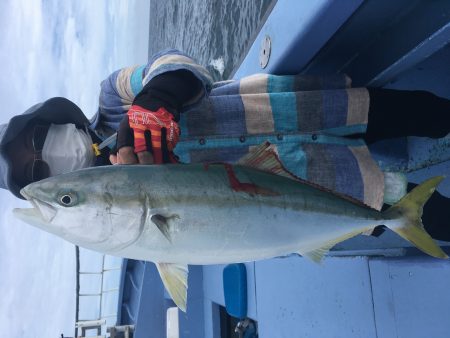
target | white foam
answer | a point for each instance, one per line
(218, 64)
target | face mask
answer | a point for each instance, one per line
(67, 148)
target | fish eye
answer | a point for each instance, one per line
(67, 199)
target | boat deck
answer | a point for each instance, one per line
(367, 287)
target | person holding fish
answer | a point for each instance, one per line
(170, 111)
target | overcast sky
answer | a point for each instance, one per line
(54, 48)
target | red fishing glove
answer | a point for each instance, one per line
(154, 131)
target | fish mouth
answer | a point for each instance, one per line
(45, 210)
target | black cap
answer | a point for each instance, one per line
(57, 110)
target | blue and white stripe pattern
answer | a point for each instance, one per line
(307, 117)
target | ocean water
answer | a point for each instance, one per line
(216, 33)
(68, 49)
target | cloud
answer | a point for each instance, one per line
(54, 48)
(38, 277)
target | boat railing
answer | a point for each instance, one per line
(97, 294)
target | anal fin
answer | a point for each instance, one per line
(317, 254)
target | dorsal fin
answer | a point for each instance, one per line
(265, 158)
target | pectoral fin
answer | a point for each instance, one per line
(174, 277)
(161, 222)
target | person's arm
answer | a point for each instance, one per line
(173, 60)
(173, 81)
(117, 93)
(119, 90)
(163, 98)
(171, 90)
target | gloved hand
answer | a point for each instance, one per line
(149, 135)
(155, 132)
(149, 132)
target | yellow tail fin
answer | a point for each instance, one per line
(409, 209)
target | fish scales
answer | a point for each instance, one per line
(211, 216)
(176, 215)
(204, 212)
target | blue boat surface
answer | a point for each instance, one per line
(366, 287)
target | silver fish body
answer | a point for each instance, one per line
(207, 221)
(176, 215)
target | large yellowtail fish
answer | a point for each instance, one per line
(176, 215)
